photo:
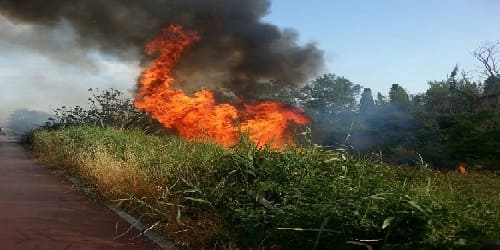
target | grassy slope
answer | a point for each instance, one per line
(202, 194)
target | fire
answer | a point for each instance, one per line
(462, 169)
(199, 116)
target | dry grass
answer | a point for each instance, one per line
(114, 177)
(133, 189)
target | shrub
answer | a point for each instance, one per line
(106, 108)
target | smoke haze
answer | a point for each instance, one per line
(43, 68)
(237, 50)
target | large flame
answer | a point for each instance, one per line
(199, 116)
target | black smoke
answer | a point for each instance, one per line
(237, 51)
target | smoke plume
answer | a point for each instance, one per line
(236, 51)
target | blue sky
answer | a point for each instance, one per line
(371, 42)
(380, 42)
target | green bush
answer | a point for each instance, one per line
(106, 108)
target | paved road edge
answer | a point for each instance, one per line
(156, 238)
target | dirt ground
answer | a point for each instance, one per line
(39, 210)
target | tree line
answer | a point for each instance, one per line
(457, 120)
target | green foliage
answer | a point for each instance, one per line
(398, 95)
(380, 99)
(475, 138)
(453, 96)
(366, 104)
(329, 100)
(329, 95)
(492, 85)
(107, 108)
(454, 121)
(278, 92)
(296, 198)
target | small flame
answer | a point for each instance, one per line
(199, 116)
(462, 169)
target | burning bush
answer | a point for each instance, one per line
(200, 116)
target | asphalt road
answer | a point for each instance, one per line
(40, 210)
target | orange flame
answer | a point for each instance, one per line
(462, 169)
(199, 116)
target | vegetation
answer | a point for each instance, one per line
(204, 195)
(455, 121)
(106, 108)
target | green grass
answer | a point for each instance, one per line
(206, 196)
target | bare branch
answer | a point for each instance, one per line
(488, 55)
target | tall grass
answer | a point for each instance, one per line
(206, 196)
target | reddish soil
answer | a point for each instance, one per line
(39, 210)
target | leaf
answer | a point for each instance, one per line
(178, 217)
(461, 242)
(357, 243)
(198, 200)
(344, 169)
(387, 222)
(321, 230)
(379, 196)
(193, 190)
(415, 205)
(169, 204)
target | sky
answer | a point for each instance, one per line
(372, 43)
(377, 43)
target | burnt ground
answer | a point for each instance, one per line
(39, 210)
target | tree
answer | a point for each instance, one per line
(380, 99)
(366, 104)
(329, 95)
(437, 96)
(452, 78)
(488, 55)
(452, 95)
(330, 101)
(398, 95)
(491, 86)
(277, 92)
(107, 108)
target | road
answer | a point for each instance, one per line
(40, 210)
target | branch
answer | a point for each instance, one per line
(488, 56)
